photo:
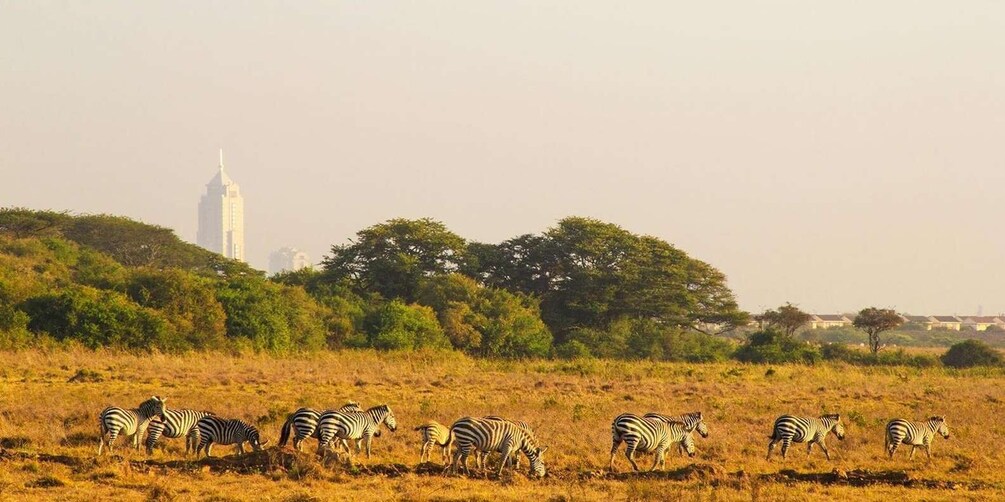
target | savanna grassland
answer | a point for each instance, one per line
(49, 401)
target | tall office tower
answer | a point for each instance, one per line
(221, 217)
(288, 260)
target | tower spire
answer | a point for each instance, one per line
(221, 159)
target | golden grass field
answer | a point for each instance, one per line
(48, 427)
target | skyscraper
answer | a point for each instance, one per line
(288, 260)
(221, 217)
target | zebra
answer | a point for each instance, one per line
(789, 429)
(303, 423)
(212, 429)
(475, 434)
(693, 420)
(114, 421)
(915, 434)
(515, 459)
(434, 434)
(354, 425)
(175, 424)
(648, 435)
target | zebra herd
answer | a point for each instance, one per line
(350, 425)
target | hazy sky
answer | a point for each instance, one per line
(833, 154)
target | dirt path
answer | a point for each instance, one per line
(301, 465)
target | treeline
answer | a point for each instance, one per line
(582, 288)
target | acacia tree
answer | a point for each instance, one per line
(788, 318)
(875, 321)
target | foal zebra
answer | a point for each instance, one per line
(647, 434)
(212, 429)
(114, 421)
(303, 423)
(434, 434)
(175, 424)
(354, 425)
(915, 434)
(789, 429)
(476, 434)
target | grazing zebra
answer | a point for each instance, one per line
(354, 425)
(475, 434)
(303, 423)
(789, 429)
(648, 435)
(434, 434)
(515, 459)
(175, 424)
(114, 421)
(212, 429)
(915, 434)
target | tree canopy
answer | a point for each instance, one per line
(875, 321)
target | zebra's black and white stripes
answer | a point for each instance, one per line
(648, 435)
(353, 425)
(790, 429)
(212, 429)
(434, 434)
(476, 434)
(114, 421)
(915, 434)
(303, 424)
(175, 424)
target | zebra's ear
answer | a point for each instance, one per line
(541, 451)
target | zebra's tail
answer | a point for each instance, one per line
(284, 433)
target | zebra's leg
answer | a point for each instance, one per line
(630, 454)
(209, 449)
(913, 447)
(809, 447)
(240, 448)
(507, 450)
(823, 447)
(892, 448)
(445, 454)
(656, 459)
(113, 434)
(786, 443)
(928, 450)
(614, 450)
(369, 442)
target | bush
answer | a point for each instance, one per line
(396, 326)
(840, 352)
(773, 347)
(971, 353)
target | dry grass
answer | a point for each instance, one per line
(570, 403)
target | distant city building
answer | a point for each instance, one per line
(221, 217)
(288, 259)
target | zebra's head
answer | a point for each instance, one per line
(700, 424)
(536, 461)
(940, 426)
(153, 407)
(389, 419)
(255, 439)
(688, 444)
(837, 426)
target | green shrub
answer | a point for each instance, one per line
(773, 347)
(396, 326)
(841, 352)
(971, 353)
